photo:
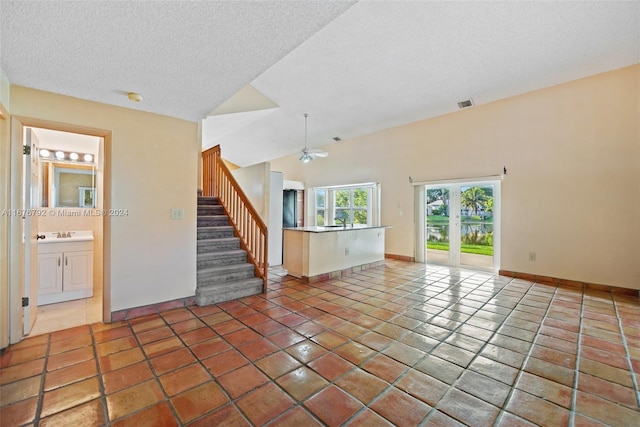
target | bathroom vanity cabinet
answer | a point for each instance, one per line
(65, 270)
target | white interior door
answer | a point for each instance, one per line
(31, 210)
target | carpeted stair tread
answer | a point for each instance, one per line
(216, 245)
(227, 291)
(222, 273)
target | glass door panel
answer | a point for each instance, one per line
(437, 230)
(459, 228)
(476, 225)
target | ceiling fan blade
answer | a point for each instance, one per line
(318, 153)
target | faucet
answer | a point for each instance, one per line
(343, 220)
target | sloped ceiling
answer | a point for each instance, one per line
(354, 68)
(385, 64)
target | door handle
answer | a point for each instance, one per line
(40, 236)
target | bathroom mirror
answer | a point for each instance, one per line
(67, 185)
(69, 174)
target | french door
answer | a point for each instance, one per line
(462, 224)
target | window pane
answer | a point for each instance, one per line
(342, 215)
(359, 216)
(320, 199)
(360, 197)
(342, 198)
(320, 217)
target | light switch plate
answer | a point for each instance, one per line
(177, 213)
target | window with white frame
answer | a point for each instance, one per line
(321, 207)
(354, 204)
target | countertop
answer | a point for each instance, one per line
(321, 229)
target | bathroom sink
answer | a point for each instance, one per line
(66, 236)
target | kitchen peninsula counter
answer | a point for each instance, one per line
(315, 253)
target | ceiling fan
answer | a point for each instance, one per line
(307, 153)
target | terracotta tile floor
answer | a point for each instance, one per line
(404, 344)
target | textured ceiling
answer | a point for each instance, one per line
(185, 58)
(384, 64)
(355, 69)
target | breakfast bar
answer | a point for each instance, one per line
(318, 253)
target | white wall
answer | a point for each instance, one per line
(264, 190)
(572, 189)
(275, 218)
(254, 181)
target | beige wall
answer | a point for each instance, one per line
(151, 167)
(572, 189)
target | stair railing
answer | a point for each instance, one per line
(218, 181)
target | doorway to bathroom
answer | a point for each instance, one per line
(69, 197)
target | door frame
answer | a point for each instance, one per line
(420, 190)
(5, 170)
(16, 255)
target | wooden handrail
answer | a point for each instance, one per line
(218, 181)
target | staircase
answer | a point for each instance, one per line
(223, 273)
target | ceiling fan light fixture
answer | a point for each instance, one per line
(307, 154)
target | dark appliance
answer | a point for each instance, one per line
(289, 208)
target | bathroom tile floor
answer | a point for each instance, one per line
(68, 314)
(403, 344)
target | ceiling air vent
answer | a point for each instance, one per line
(337, 139)
(465, 104)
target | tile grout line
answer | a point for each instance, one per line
(526, 358)
(530, 301)
(232, 401)
(634, 379)
(451, 332)
(298, 403)
(147, 360)
(156, 377)
(108, 419)
(103, 393)
(200, 362)
(576, 378)
(39, 404)
(390, 385)
(366, 406)
(434, 408)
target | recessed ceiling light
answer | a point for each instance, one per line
(135, 97)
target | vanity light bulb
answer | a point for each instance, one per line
(59, 155)
(45, 153)
(73, 156)
(88, 157)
